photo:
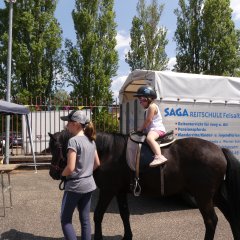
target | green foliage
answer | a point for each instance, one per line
(187, 36)
(105, 120)
(36, 55)
(148, 40)
(135, 57)
(61, 95)
(92, 62)
(206, 38)
(219, 38)
(237, 69)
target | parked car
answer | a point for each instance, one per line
(15, 139)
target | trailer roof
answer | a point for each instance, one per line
(176, 86)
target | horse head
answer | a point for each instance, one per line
(58, 148)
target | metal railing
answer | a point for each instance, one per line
(45, 117)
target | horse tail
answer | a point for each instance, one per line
(232, 182)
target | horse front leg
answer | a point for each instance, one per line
(104, 199)
(124, 213)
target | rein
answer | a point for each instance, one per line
(61, 185)
(60, 160)
(59, 169)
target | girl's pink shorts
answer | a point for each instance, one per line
(160, 133)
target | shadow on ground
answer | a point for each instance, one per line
(145, 204)
(17, 235)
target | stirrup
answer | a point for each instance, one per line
(136, 188)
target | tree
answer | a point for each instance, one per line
(188, 36)
(219, 38)
(237, 70)
(148, 40)
(92, 62)
(36, 55)
(206, 38)
(61, 95)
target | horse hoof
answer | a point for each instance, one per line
(98, 238)
(127, 238)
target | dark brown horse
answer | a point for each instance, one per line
(198, 167)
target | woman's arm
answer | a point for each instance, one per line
(96, 161)
(71, 162)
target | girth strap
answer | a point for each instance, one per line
(162, 180)
(137, 188)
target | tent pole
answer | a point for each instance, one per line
(31, 142)
(9, 77)
(7, 138)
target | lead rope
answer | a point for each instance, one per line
(137, 188)
(61, 185)
(162, 180)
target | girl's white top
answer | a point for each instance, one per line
(156, 123)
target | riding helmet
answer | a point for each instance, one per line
(146, 91)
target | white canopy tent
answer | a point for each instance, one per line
(9, 108)
(176, 86)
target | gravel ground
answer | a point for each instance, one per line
(36, 206)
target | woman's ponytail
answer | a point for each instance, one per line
(89, 131)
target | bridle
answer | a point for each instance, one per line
(60, 160)
(57, 167)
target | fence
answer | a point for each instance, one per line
(44, 117)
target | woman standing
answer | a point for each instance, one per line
(82, 159)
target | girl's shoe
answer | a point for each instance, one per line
(158, 160)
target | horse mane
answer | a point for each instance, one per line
(109, 143)
(61, 138)
(105, 142)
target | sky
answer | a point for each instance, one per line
(124, 15)
(125, 11)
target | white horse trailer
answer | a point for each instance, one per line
(193, 105)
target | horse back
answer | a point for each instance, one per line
(193, 164)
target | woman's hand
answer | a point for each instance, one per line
(96, 161)
(71, 162)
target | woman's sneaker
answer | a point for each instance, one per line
(158, 160)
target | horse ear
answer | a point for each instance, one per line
(51, 136)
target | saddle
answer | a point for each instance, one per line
(139, 137)
(139, 155)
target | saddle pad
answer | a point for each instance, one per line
(131, 154)
(146, 156)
